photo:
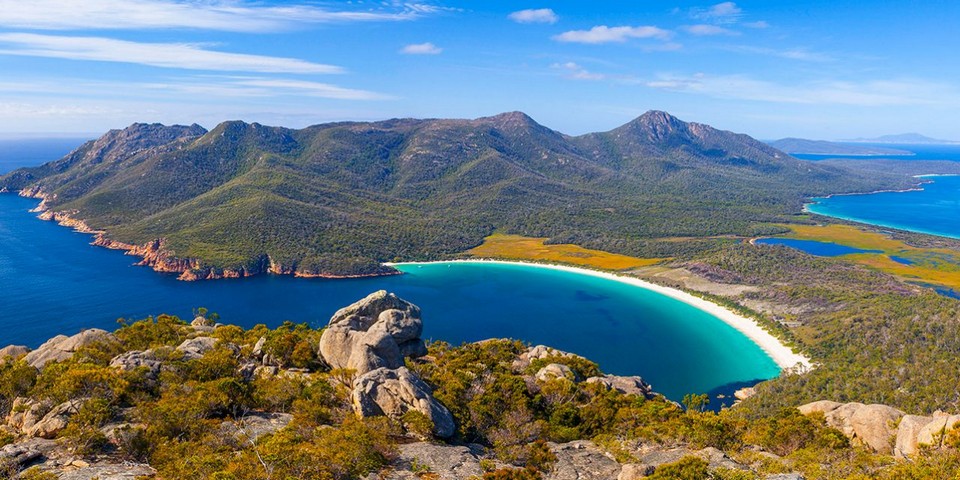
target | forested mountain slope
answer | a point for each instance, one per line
(340, 198)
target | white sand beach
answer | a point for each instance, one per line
(781, 354)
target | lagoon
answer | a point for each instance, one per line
(813, 247)
(55, 282)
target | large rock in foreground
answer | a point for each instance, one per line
(394, 392)
(375, 332)
(874, 426)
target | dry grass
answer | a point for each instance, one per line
(516, 247)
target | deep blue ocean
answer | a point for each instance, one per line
(921, 152)
(28, 153)
(934, 210)
(53, 281)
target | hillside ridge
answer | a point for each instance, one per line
(340, 199)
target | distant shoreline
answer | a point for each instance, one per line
(782, 355)
(919, 188)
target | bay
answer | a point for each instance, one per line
(934, 209)
(54, 282)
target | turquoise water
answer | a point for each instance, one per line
(55, 282)
(813, 247)
(933, 210)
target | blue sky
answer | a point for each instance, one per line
(815, 69)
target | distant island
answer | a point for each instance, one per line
(823, 147)
(904, 139)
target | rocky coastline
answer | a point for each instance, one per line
(156, 255)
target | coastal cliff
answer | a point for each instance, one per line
(156, 254)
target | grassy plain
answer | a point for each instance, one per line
(518, 247)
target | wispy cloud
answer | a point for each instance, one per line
(22, 109)
(703, 30)
(421, 49)
(758, 24)
(224, 15)
(605, 34)
(539, 15)
(168, 55)
(726, 12)
(209, 87)
(574, 71)
(876, 93)
(801, 54)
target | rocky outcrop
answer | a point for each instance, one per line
(628, 385)
(555, 371)
(251, 427)
(445, 462)
(375, 332)
(18, 454)
(582, 460)
(394, 392)
(195, 348)
(907, 442)
(875, 426)
(135, 359)
(12, 352)
(935, 432)
(37, 419)
(51, 458)
(62, 347)
(537, 353)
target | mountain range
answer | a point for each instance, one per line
(823, 147)
(341, 198)
(904, 139)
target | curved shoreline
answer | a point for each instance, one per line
(782, 355)
(807, 208)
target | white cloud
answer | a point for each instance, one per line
(726, 12)
(208, 87)
(791, 54)
(605, 34)
(708, 30)
(314, 89)
(226, 15)
(20, 109)
(758, 24)
(421, 49)
(877, 93)
(167, 55)
(539, 15)
(574, 71)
